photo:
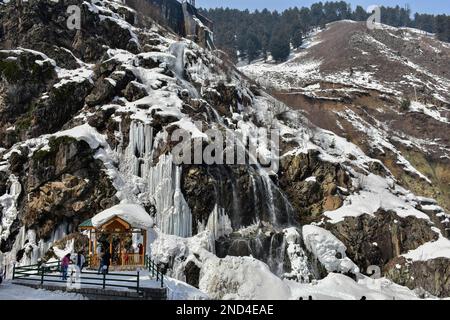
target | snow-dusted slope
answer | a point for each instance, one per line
(386, 90)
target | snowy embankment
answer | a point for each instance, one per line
(10, 291)
(248, 278)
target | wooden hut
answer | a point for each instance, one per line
(121, 230)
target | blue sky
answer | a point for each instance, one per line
(423, 6)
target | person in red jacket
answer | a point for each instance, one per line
(65, 265)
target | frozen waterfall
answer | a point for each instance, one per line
(159, 184)
(173, 214)
(139, 150)
(8, 202)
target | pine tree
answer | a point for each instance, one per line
(251, 33)
(279, 45)
(253, 47)
(360, 14)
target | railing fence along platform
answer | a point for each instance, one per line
(51, 273)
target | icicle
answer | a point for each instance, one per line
(219, 224)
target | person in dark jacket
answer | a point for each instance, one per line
(106, 261)
(2, 274)
(80, 260)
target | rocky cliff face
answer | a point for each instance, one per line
(85, 121)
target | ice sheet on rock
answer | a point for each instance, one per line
(134, 214)
(325, 247)
(62, 252)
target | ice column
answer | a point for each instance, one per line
(139, 150)
(219, 224)
(9, 202)
(173, 215)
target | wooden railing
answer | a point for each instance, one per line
(132, 259)
(125, 260)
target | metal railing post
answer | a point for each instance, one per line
(138, 281)
(104, 280)
(162, 280)
(14, 271)
(157, 273)
(42, 276)
(152, 266)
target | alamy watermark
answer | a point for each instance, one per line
(374, 21)
(217, 146)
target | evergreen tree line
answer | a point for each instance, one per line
(260, 33)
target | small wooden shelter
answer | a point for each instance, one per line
(122, 230)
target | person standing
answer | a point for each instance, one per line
(101, 259)
(65, 265)
(80, 260)
(141, 253)
(1, 275)
(106, 261)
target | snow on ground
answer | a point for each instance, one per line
(248, 278)
(340, 287)
(431, 250)
(179, 290)
(245, 278)
(287, 75)
(429, 110)
(10, 291)
(377, 193)
(250, 285)
(84, 133)
(379, 139)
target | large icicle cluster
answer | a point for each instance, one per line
(173, 214)
(219, 224)
(8, 202)
(161, 182)
(139, 149)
